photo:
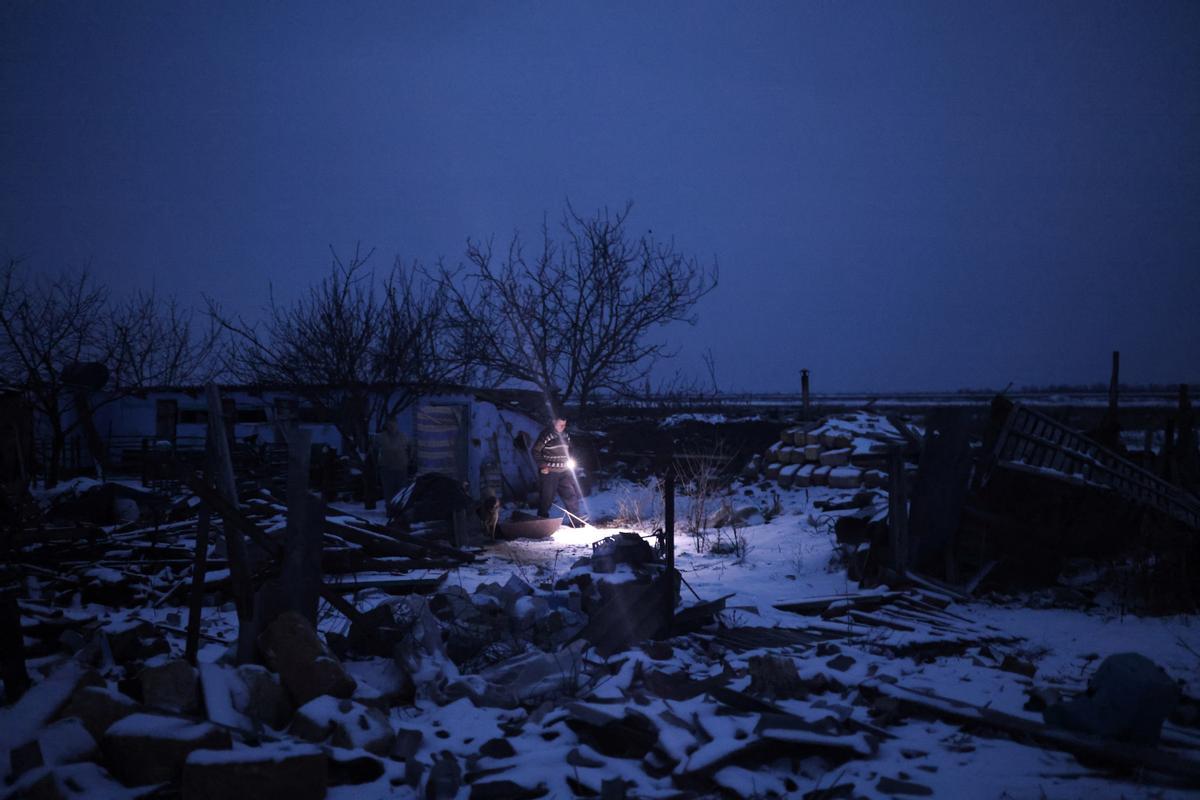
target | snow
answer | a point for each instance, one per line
(72, 487)
(77, 780)
(267, 751)
(223, 690)
(65, 741)
(104, 574)
(791, 557)
(352, 718)
(20, 722)
(154, 726)
(678, 419)
(216, 576)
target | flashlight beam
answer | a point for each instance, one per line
(572, 516)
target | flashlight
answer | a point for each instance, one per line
(570, 463)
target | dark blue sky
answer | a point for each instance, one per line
(901, 195)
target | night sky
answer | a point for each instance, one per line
(907, 195)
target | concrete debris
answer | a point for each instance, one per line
(445, 777)
(66, 741)
(843, 451)
(1128, 698)
(21, 722)
(98, 707)
(171, 686)
(25, 757)
(143, 749)
(533, 676)
(74, 782)
(273, 771)
(624, 548)
(264, 700)
(308, 670)
(353, 767)
(343, 723)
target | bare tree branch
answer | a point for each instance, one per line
(60, 337)
(576, 319)
(357, 351)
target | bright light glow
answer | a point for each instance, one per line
(584, 535)
(570, 463)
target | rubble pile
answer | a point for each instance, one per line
(113, 704)
(844, 451)
(411, 703)
(440, 671)
(136, 563)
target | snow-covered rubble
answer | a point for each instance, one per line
(805, 683)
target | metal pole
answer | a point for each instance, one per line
(669, 514)
(1114, 383)
(669, 535)
(804, 391)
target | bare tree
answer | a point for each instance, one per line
(153, 341)
(63, 341)
(357, 352)
(576, 318)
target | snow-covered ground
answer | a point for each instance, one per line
(790, 558)
(787, 558)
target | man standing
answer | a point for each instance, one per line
(391, 454)
(552, 452)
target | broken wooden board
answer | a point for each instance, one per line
(1103, 751)
(1034, 442)
(917, 621)
(743, 639)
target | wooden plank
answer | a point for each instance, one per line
(346, 561)
(239, 558)
(300, 576)
(816, 605)
(376, 544)
(348, 584)
(1104, 751)
(233, 517)
(362, 526)
(196, 601)
(897, 511)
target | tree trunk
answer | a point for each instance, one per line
(370, 476)
(585, 397)
(94, 442)
(58, 444)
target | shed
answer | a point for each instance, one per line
(479, 436)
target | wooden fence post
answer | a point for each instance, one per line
(199, 568)
(1186, 444)
(897, 511)
(298, 586)
(12, 645)
(235, 544)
